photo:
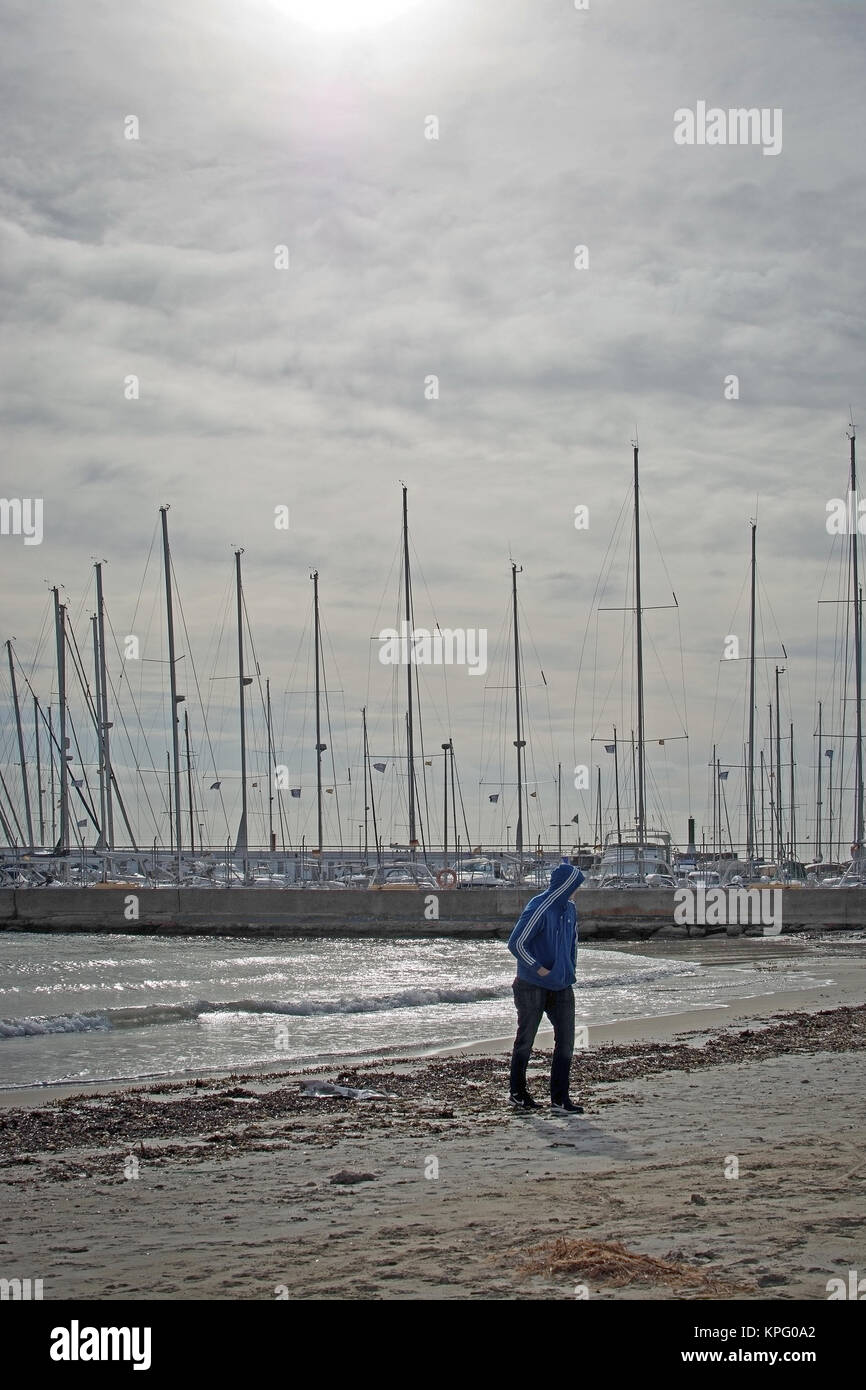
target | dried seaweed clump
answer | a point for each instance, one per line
(612, 1264)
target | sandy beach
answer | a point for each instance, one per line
(246, 1187)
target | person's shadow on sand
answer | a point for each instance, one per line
(579, 1134)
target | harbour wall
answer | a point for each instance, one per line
(274, 912)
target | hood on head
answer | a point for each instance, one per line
(563, 878)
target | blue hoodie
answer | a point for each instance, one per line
(546, 934)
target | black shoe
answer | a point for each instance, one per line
(523, 1101)
(566, 1107)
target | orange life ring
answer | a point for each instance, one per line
(446, 874)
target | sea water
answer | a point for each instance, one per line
(83, 1008)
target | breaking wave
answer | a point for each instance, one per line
(178, 1013)
(415, 998)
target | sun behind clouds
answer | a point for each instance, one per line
(345, 16)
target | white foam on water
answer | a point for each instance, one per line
(211, 1005)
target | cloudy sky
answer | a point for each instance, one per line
(304, 124)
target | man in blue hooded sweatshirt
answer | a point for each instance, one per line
(545, 944)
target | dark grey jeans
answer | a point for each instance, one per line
(532, 1002)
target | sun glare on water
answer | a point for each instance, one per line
(344, 16)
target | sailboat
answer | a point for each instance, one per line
(855, 874)
(639, 854)
(417, 825)
(755, 869)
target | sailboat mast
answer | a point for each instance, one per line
(271, 841)
(172, 676)
(781, 847)
(18, 842)
(830, 801)
(372, 792)
(170, 803)
(641, 795)
(320, 746)
(793, 815)
(750, 797)
(744, 765)
(771, 779)
(818, 826)
(101, 842)
(616, 789)
(519, 742)
(858, 656)
(763, 808)
(410, 727)
(60, 633)
(38, 771)
(445, 807)
(189, 784)
(242, 845)
(366, 777)
(104, 738)
(7, 829)
(454, 802)
(716, 808)
(26, 789)
(598, 812)
(53, 783)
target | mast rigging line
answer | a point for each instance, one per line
(592, 620)
(331, 738)
(199, 696)
(90, 708)
(118, 709)
(22, 837)
(55, 743)
(325, 633)
(216, 718)
(87, 800)
(274, 754)
(685, 718)
(526, 629)
(529, 752)
(41, 640)
(436, 627)
(460, 794)
(501, 644)
(262, 698)
(632, 639)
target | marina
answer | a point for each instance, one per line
(64, 761)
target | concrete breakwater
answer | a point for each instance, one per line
(274, 912)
